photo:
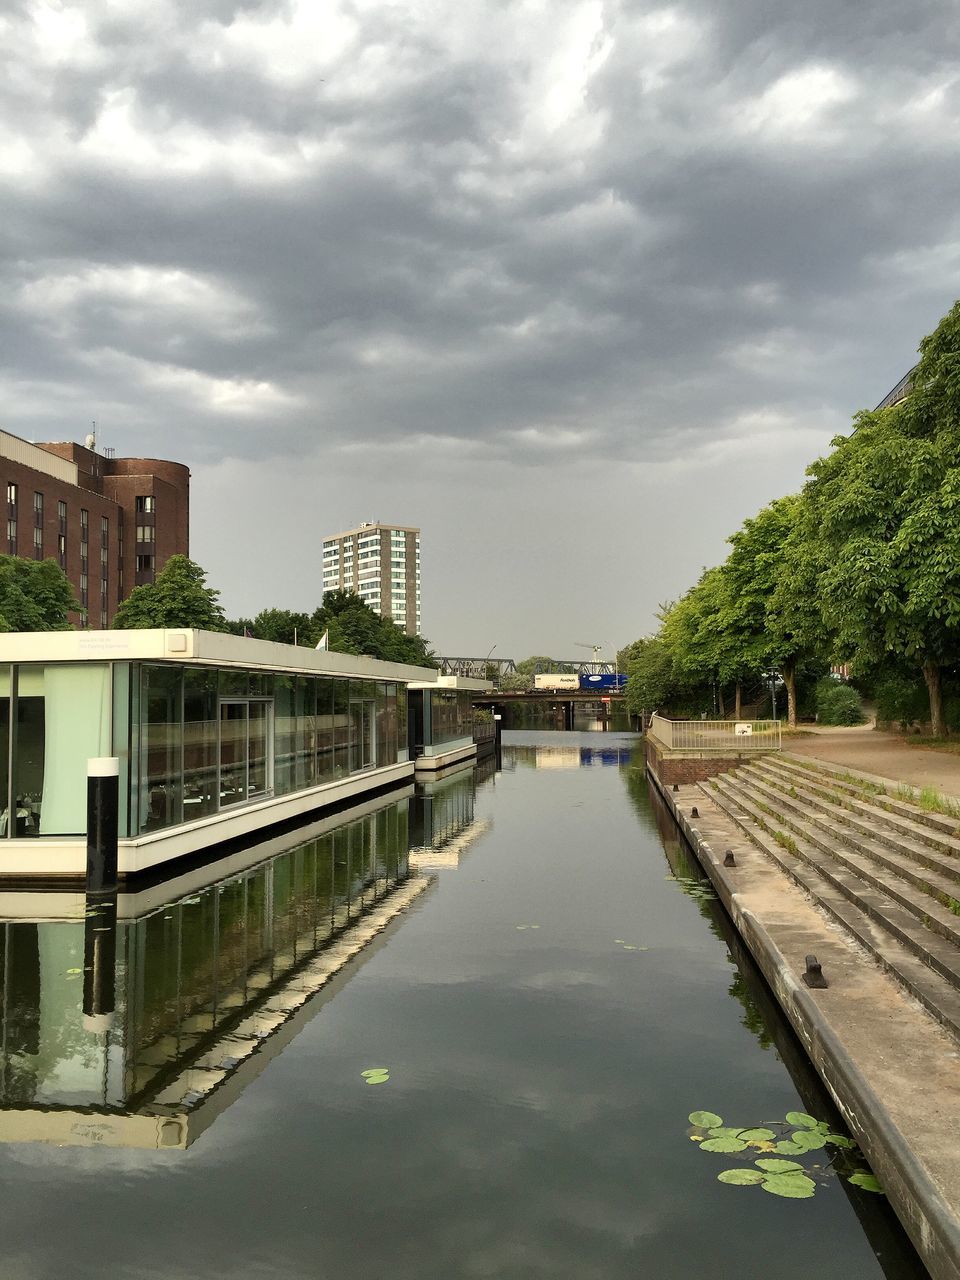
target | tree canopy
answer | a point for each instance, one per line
(179, 597)
(862, 566)
(35, 595)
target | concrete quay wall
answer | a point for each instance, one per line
(891, 1069)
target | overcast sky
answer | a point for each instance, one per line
(574, 285)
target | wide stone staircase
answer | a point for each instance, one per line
(878, 863)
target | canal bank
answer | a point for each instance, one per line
(892, 1070)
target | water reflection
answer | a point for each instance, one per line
(134, 1020)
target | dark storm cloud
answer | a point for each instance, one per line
(537, 229)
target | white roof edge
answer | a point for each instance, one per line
(181, 644)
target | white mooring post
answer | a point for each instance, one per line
(103, 802)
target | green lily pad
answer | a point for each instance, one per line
(779, 1166)
(376, 1075)
(756, 1135)
(808, 1139)
(788, 1148)
(838, 1140)
(704, 1119)
(867, 1182)
(800, 1120)
(740, 1177)
(726, 1145)
(791, 1186)
(725, 1131)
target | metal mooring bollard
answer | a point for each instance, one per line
(694, 812)
(728, 859)
(103, 802)
(813, 974)
(675, 787)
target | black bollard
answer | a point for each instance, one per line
(694, 812)
(103, 800)
(813, 974)
(728, 859)
(99, 961)
(675, 787)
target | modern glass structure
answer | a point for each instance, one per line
(216, 736)
(440, 725)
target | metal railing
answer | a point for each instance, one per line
(740, 736)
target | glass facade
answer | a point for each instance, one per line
(192, 740)
(442, 719)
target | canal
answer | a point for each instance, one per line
(456, 1035)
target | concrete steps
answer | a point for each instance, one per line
(891, 879)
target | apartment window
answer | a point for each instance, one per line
(104, 553)
(38, 544)
(103, 619)
(12, 537)
(145, 503)
(11, 494)
(84, 525)
(38, 511)
(146, 533)
(144, 564)
(62, 550)
(62, 515)
(104, 531)
(83, 590)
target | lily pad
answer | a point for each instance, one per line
(726, 1145)
(867, 1182)
(779, 1166)
(792, 1186)
(740, 1177)
(756, 1135)
(704, 1119)
(808, 1140)
(800, 1120)
(838, 1140)
(376, 1075)
(725, 1131)
(788, 1148)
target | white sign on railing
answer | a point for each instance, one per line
(743, 730)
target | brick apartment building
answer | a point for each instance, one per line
(110, 523)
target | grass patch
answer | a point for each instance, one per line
(786, 842)
(933, 802)
(927, 743)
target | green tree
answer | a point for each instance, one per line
(353, 627)
(540, 662)
(886, 507)
(650, 679)
(178, 598)
(35, 595)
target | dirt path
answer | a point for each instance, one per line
(886, 754)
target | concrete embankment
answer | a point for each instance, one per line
(820, 868)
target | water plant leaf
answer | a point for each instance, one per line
(376, 1075)
(757, 1135)
(867, 1182)
(72, 971)
(725, 1131)
(838, 1140)
(788, 1148)
(779, 1166)
(790, 1186)
(727, 1145)
(704, 1119)
(808, 1139)
(800, 1120)
(740, 1177)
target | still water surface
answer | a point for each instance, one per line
(534, 1122)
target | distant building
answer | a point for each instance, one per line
(381, 564)
(110, 523)
(899, 392)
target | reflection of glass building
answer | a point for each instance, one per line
(217, 738)
(142, 1035)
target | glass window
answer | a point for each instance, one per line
(199, 743)
(161, 745)
(146, 533)
(341, 727)
(12, 494)
(84, 524)
(246, 749)
(38, 543)
(325, 730)
(63, 718)
(306, 746)
(38, 504)
(61, 510)
(284, 733)
(145, 503)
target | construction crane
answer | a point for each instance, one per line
(597, 648)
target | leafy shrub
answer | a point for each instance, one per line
(838, 704)
(902, 699)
